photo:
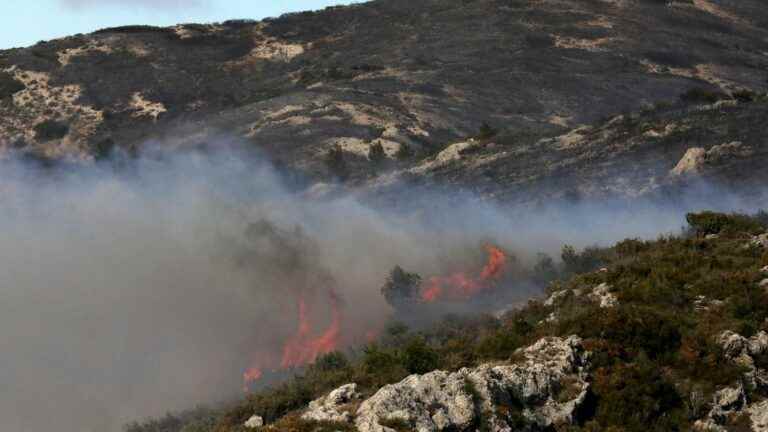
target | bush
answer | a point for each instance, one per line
(708, 222)
(376, 153)
(336, 162)
(401, 287)
(8, 85)
(48, 130)
(700, 95)
(418, 357)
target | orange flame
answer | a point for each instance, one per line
(462, 286)
(302, 348)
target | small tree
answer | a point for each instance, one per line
(401, 287)
(486, 131)
(376, 153)
(336, 163)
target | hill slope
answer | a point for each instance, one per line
(413, 75)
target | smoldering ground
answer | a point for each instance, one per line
(127, 293)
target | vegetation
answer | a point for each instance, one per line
(656, 360)
(8, 85)
(336, 163)
(48, 130)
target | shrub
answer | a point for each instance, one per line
(708, 222)
(336, 162)
(376, 153)
(486, 131)
(590, 259)
(700, 95)
(401, 287)
(418, 357)
(48, 130)
(8, 85)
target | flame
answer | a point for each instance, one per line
(250, 376)
(303, 348)
(462, 286)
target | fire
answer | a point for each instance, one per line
(462, 286)
(303, 347)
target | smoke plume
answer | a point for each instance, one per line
(129, 292)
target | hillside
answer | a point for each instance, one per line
(665, 335)
(316, 91)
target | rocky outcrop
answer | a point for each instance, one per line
(254, 422)
(758, 414)
(760, 241)
(602, 294)
(697, 158)
(331, 407)
(545, 389)
(726, 403)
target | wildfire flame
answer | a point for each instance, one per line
(462, 286)
(303, 348)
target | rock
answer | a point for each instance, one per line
(546, 389)
(741, 351)
(760, 241)
(702, 303)
(696, 158)
(758, 413)
(763, 283)
(726, 403)
(691, 162)
(555, 297)
(254, 422)
(329, 407)
(712, 237)
(764, 269)
(604, 296)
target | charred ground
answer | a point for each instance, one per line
(414, 78)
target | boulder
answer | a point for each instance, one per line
(254, 422)
(726, 403)
(741, 350)
(330, 407)
(691, 162)
(758, 413)
(603, 295)
(545, 389)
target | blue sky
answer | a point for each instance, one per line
(25, 22)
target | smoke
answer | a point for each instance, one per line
(149, 4)
(126, 293)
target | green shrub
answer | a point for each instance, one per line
(708, 222)
(401, 287)
(418, 357)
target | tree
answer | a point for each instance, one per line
(376, 153)
(401, 287)
(336, 162)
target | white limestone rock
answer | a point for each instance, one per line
(439, 400)
(330, 407)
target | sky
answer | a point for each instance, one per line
(26, 22)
